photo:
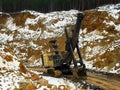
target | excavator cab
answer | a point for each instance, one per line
(52, 59)
(60, 61)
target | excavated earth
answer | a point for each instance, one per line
(25, 35)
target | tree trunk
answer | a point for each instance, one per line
(51, 5)
(0, 5)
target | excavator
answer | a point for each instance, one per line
(64, 62)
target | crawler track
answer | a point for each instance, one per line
(94, 80)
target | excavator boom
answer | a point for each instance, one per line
(72, 42)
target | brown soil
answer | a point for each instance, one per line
(3, 18)
(20, 18)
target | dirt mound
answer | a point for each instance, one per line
(28, 34)
(101, 39)
(15, 76)
(20, 18)
(23, 37)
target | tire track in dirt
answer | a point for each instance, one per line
(103, 82)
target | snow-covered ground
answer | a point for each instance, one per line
(24, 37)
(12, 77)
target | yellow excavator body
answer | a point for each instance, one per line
(47, 60)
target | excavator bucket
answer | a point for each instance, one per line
(79, 72)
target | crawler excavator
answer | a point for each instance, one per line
(64, 62)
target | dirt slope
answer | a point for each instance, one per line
(27, 35)
(101, 39)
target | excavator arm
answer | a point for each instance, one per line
(71, 44)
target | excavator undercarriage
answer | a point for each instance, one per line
(64, 62)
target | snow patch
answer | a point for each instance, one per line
(111, 23)
(92, 36)
(60, 81)
(10, 25)
(113, 10)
